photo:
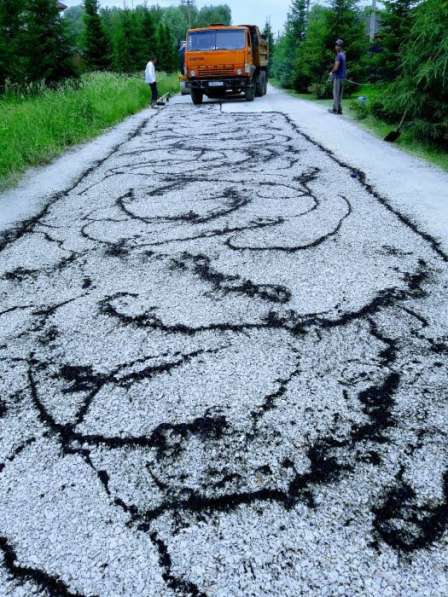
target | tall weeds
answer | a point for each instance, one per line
(37, 123)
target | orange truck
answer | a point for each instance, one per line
(223, 61)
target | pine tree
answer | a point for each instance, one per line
(396, 24)
(75, 26)
(346, 22)
(11, 41)
(167, 54)
(422, 87)
(149, 36)
(48, 53)
(96, 44)
(269, 36)
(297, 19)
(313, 61)
(123, 59)
(288, 47)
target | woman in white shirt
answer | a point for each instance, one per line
(151, 80)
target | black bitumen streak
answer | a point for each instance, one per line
(405, 523)
(231, 284)
(377, 402)
(52, 584)
(269, 402)
(20, 448)
(400, 519)
(324, 469)
(150, 321)
(296, 248)
(388, 297)
(363, 180)
(16, 308)
(27, 226)
(20, 273)
(167, 435)
(162, 437)
(226, 230)
(230, 197)
(289, 322)
(84, 379)
(177, 584)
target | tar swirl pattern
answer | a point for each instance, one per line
(223, 372)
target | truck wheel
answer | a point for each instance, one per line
(261, 84)
(265, 90)
(250, 93)
(197, 96)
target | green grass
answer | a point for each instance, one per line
(35, 129)
(378, 127)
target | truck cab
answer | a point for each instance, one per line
(222, 61)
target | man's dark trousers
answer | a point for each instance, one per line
(154, 94)
(338, 91)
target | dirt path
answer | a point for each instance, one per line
(223, 372)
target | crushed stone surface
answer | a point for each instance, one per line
(223, 372)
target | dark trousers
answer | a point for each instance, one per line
(154, 93)
(338, 92)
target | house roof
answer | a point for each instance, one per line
(61, 6)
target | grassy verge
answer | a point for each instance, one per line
(378, 127)
(35, 129)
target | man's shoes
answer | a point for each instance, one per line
(338, 112)
(332, 111)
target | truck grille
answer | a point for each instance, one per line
(216, 71)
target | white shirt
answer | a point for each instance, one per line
(150, 73)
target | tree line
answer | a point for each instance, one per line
(40, 44)
(407, 60)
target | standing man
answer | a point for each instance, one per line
(338, 74)
(151, 80)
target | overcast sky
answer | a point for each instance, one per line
(243, 11)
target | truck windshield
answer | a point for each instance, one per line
(231, 39)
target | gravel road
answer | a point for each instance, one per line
(223, 372)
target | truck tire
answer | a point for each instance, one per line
(265, 90)
(197, 96)
(250, 93)
(259, 85)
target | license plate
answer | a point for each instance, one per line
(216, 84)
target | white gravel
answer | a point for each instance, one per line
(223, 372)
(412, 185)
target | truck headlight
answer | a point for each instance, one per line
(192, 73)
(239, 71)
